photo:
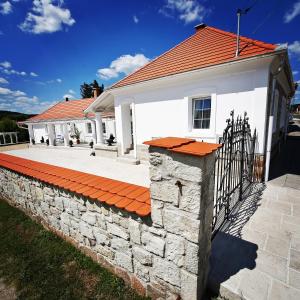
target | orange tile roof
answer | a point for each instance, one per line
(183, 145)
(130, 197)
(208, 46)
(68, 110)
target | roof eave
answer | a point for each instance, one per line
(269, 54)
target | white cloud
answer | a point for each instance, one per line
(187, 10)
(58, 80)
(46, 18)
(6, 8)
(292, 13)
(24, 99)
(71, 91)
(15, 72)
(33, 74)
(125, 64)
(11, 93)
(1, 32)
(294, 48)
(135, 19)
(295, 72)
(69, 96)
(5, 64)
(3, 80)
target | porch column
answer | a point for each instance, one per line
(30, 131)
(11, 140)
(99, 128)
(51, 134)
(16, 134)
(93, 131)
(66, 134)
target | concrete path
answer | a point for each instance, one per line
(257, 256)
(80, 159)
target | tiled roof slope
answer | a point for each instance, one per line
(207, 47)
(130, 197)
(183, 145)
(68, 110)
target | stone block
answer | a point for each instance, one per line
(189, 286)
(48, 191)
(65, 218)
(124, 261)
(178, 222)
(134, 228)
(166, 270)
(166, 191)
(142, 256)
(64, 228)
(74, 222)
(141, 271)
(175, 249)
(191, 259)
(89, 218)
(101, 222)
(45, 207)
(153, 243)
(105, 251)
(280, 291)
(59, 203)
(86, 230)
(121, 245)
(118, 231)
(295, 260)
(39, 194)
(101, 236)
(191, 198)
(138, 286)
(157, 212)
(158, 231)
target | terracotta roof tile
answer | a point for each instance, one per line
(208, 46)
(185, 146)
(67, 110)
(130, 197)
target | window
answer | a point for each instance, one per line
(89, 128)
(201, 113)
(103, 127)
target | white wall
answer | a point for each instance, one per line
(164, 109)
(39, 130)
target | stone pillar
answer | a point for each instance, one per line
(182, 196)
(66, 134)
(94, 131)
(51, 134)
(99, 128)
(30, 131)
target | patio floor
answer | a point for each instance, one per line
(80, 159)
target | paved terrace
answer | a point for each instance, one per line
(80, 160)
(257, 254)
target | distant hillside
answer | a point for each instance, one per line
(14, 115)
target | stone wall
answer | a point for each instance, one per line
(162, 256)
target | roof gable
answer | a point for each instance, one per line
(208, 46)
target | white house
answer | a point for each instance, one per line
(190, 90)
(60, 122)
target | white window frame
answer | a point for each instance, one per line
(87, 128)
(199, 132)
(193, 111)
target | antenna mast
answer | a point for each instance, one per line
(239, 12)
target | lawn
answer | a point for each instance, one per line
(41, 265)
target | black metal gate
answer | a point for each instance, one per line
(234, 167)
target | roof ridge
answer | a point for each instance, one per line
(247, 39)
(150, 62)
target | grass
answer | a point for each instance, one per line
(41, 265)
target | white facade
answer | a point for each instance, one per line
(40, 130)
(164, 108)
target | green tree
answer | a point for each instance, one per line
(8, 125)
(86, 90)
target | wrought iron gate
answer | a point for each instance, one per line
(234, 167)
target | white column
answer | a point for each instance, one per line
(93, 131)
(99, 128)
(30, 131)
(51, 134)
(16, 138)
(66, 134)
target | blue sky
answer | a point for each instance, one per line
(48, 48)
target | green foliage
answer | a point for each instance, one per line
(42, 266)
(86, 89)
(9, 125)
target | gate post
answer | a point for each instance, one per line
(182, 200)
